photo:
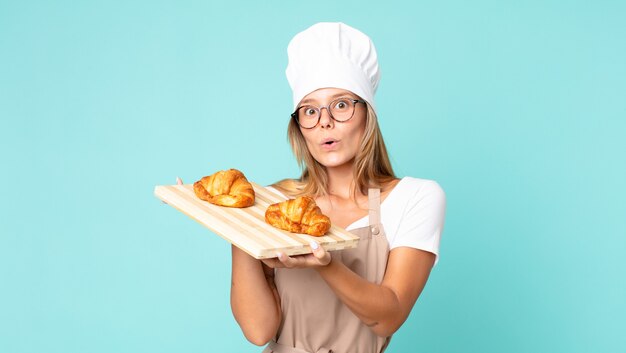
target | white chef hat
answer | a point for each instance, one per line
(332, 55)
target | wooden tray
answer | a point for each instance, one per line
(246, 227)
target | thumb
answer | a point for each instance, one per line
(320, 254)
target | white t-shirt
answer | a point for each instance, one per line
(412, 215)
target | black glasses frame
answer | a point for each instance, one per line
(294, 115)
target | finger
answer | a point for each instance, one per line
(323, 257)
(286, 261)
(278, 261)
(302, 261)
(273, 263)
(179, 181)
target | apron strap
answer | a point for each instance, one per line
(373, 196)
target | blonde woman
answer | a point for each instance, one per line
(351, 300)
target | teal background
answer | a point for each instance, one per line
(517, 109)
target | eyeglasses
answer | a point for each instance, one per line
(341, 110)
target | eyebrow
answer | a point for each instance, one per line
(341, 94)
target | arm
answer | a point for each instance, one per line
(254, 299)
(384, 307)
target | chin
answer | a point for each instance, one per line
(334, 162)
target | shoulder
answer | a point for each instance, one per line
(416, 215)
(417, 189)
(414, 199)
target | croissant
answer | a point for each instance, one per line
(300, 215)
(228, 188)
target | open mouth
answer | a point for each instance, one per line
(329, 143)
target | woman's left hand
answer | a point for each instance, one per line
(318, 258)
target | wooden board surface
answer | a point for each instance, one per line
(246, 227)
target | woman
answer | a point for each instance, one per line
(351, 300)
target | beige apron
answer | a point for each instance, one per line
(314, 319)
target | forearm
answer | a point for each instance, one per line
(254, 299)
(386, 306)
(376, 305)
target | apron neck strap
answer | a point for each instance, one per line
(373, 197)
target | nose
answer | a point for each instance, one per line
(326, 121)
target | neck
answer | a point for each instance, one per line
(341, 180)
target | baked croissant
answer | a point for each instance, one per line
(300, 215)
(228, 188)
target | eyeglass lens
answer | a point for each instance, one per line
(340, 109)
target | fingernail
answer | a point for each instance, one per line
(314, 245)
(279, 254)
(179, 181)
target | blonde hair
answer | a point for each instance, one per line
(372, 168)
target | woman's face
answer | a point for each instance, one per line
(333, 143)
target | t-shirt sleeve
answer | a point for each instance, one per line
(421, 223)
